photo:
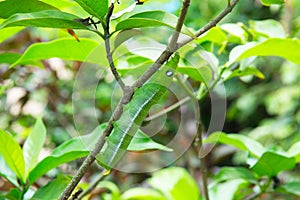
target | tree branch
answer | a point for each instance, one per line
(108, 50)
(210, 24)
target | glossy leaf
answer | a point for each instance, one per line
(294, 151)
(66, 152)
(125, 35)
(33, 145)
(8, 8)
(12, 154)
(246, 72)
(46, 18)
(271, 163)
(53, 189)
(228, 173)
(97, 8)
(175, 183)
(290, 187)
(142, 142)
(285, 48)
(65, 48)
(235, 31)
(202, 74)
(270, 28)
(7, 173)
(215, 35)
(138, 193)
(239, 141)
(228, 189)
(115, 192)
(9, 32)
(150, 19)
(269, 2)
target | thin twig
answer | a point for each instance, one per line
(202, 161)
(108, 50)
(210, 24)
(93, 185)
(185, 87)
(168, 109)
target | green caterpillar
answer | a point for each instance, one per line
(134, 114)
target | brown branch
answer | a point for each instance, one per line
(210, 24)
(108, 50)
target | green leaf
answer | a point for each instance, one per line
(46, 18)
(269, 2)
(7, 173)
(9, 58)
(228, 173)
(13, 194)
(236, 32)
(202, 74)
(65, 48)
(271, 163)
(139, 193)
(52, 190)
(285, 48)
(142, 142)
(270, 28)
(33, 145)
(215, 35)
(294, 151)
(66, 152)
(12, 154)
(290, 187)
(97, 8)
(228, 189)
(246, 72)
(124, 36)
(150, 19)
(9, 32)
(113, 188)
(239, 141)
(10, 7)
(175, 183)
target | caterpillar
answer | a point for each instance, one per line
(134, 113)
